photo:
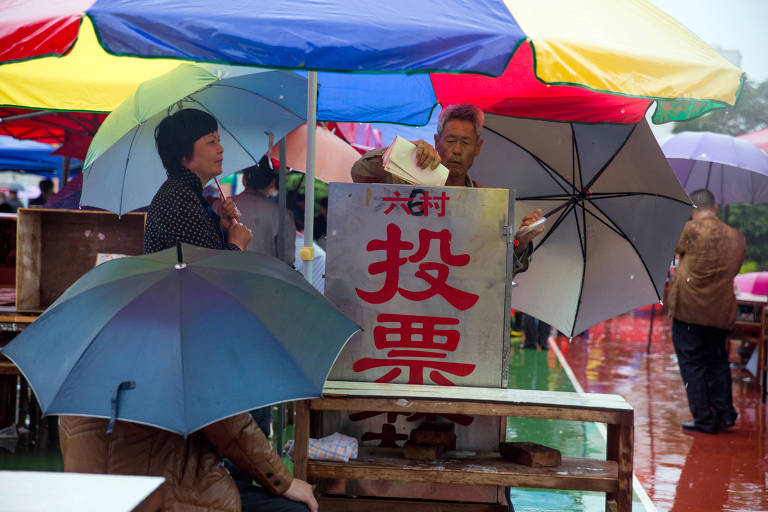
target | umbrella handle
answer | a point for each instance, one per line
(126, 384)
(223, 195)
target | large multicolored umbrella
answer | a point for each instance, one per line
(554, 59)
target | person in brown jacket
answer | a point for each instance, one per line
(195, 478)
(702, 303)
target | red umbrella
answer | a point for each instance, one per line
(73, 130)
(758, 138)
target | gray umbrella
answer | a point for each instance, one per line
(614, 212)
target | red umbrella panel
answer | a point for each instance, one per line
(73, 130)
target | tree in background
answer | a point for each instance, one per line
(749, 114)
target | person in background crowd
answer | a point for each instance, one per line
(536, 332)
(46, 191)
(13, 200)
(261, 214)
(4, 206)
(702, 303)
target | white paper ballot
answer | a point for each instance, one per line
(400, 160)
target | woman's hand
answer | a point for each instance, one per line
(301, 491)
(239, 235)
(229, 214)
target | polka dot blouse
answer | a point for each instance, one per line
(179, 211)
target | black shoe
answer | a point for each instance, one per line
(693, 427)
(728, 422)
(528, 346)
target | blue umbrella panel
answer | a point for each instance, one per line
(181, 345)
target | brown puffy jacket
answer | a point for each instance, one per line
(195, 479)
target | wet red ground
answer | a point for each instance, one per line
(680, 471)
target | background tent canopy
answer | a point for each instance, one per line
(27, 155)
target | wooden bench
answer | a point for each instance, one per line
(612, 476)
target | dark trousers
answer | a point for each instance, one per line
(703, 361)
(256, 499)
(536, 332)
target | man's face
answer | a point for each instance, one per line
(458, 146)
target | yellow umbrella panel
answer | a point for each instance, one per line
(87, 79)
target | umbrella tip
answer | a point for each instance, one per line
(179, 256)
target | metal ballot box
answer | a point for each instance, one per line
(427, 273)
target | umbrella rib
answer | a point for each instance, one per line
(574, 159)
(75, 120)
(181, 354)
(583, 243)
(193, 100)
(558, 221)
(61, 126)
(613, 228)
(613, 195)
(553, 197)
(610, 160)
(538, 160)
(275, 103)
(621, 233)
(125, 169)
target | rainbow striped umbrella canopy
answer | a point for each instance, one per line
(555, 59)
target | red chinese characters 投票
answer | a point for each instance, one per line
(423, 271)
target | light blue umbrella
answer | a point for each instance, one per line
(123, 169)
(181, 345)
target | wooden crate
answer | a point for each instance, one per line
(7, 250)
(55, 247)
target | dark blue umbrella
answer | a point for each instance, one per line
(181, 345)
(28, 155)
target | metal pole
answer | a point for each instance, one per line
(65, 164)
(281, 235)
(282, 201)
(650, 330)
(308, 252)
(25, 116)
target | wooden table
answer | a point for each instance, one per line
(612, 476)
(26, 491)
(11, 324)
(756, 331)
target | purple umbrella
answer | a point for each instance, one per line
(735, 170)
